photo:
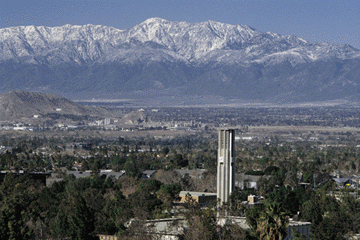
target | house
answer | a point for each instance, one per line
(79, 174)
(244, 181)
(203, 198)
(112, 175)
(148, 173)
(107, 237)
(82, 174)
(163, 229)
(302, 227)
(344, 181)
(166, 229)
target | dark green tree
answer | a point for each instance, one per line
(272, 223)
(60, 225)
(311, 211)
(82, 221)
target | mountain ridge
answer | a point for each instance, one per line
(211, 58)
(189, 40)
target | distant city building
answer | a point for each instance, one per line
(108, 121)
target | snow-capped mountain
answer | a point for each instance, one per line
(207, 58)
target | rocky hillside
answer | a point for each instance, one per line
(18, 104)
(135, 118)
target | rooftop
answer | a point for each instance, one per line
(182, 193)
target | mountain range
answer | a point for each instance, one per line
(160, 59)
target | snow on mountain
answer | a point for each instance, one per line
(157, 39)
(159, 56)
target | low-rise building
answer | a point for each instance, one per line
(148, 173)
(174, 228)
(202, 198)
(302, 227)
(247, 181)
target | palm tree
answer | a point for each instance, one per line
(273, 223)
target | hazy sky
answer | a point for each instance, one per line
(333, 21)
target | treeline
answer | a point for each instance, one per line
(299, 160)
(333, 212)
(331, 216)
(134, 156)
(80, 208)
(90, 206)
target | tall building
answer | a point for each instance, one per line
(226, 164)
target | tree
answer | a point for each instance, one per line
(165, 150)
(202, 222)
(143, 204)
(311, 211)
(117, 211)
(96, 166)
(253, 214)
(334, 226)
(60, 225)
(169, 193)
(178, 160)
(167, 177)
(287, 198)
(271, 170)
(19, 209)
(150, 185)
(131, 168)
(82, 221)
(234, 232)
(14, 214)
(272, 223)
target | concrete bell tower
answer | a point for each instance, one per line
(226, 164)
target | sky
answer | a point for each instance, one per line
(332, 21)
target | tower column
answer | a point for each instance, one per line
(225, 164)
